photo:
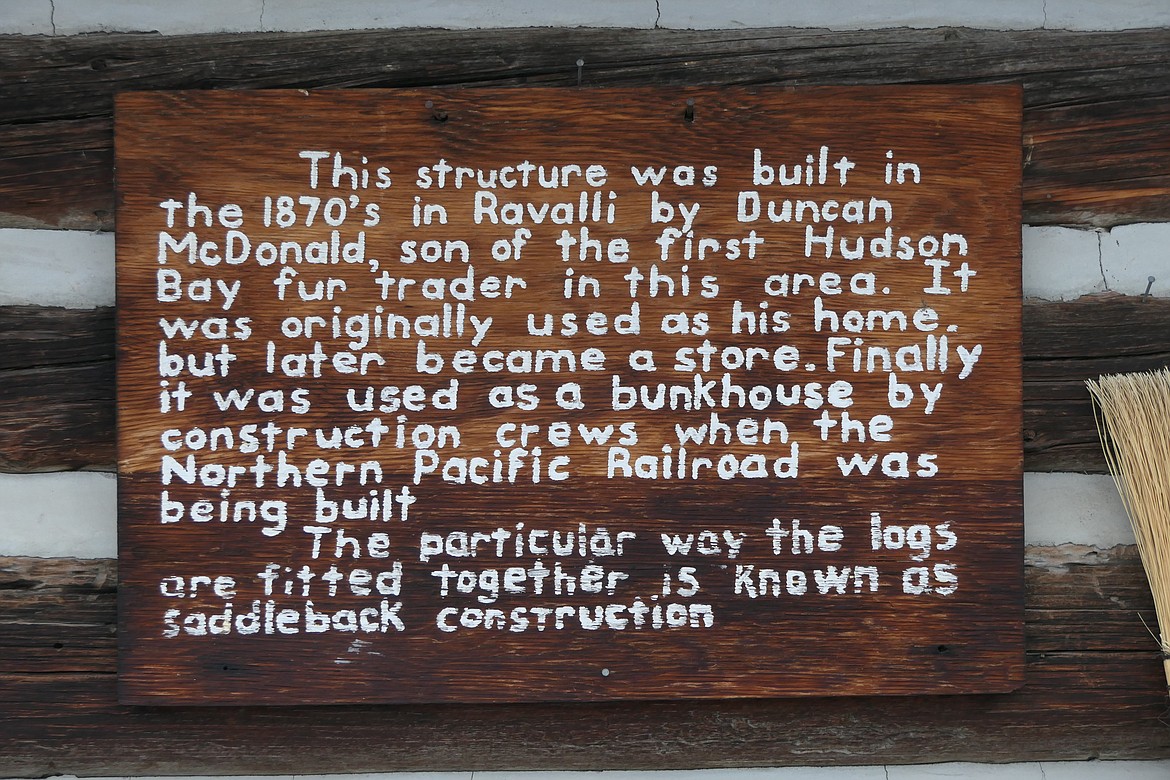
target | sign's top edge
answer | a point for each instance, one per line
(512, 91)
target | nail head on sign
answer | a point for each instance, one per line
(605, 672)
(689, 111)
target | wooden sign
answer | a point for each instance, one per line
(506, 395)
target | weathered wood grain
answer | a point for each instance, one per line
(57, 392)
(56, 388)
(1068, 342)
(1094, 690)
(1098, 96)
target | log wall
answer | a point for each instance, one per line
(1097, 155)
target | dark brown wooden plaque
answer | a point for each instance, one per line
(504, 395)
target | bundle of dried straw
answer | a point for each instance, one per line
(1133, 418)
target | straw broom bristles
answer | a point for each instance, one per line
(1135, 409)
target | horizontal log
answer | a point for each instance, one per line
(1094, 689)
(57, 386)
(1084, 599)
(1066, 343)
(1096, 96)
(58, 173)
